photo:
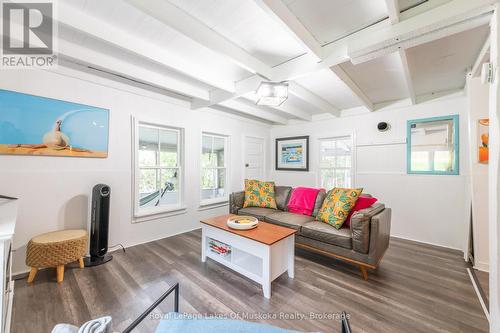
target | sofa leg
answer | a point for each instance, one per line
(364, 272)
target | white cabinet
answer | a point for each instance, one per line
(8, 215)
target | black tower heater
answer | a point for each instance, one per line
(99, 226)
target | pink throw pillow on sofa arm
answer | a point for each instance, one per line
(362, 203)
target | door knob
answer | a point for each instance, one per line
(247, 165)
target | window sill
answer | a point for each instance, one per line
(213, 203)
(155, 215)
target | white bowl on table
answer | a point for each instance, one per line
(242, 222)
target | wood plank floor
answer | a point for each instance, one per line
(417, 288)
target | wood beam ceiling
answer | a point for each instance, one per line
(282, 14)
(394, 17)
(445, 20)
(441, 19)
(483, 56)
(100, 30)
(250, 108)
(190, 27)
(187, 25)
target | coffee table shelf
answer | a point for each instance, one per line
(260, 255)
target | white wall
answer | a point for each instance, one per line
(478, 105)
(54, 191)
(493, 178)
(426, 208)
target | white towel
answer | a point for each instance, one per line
(99, 325)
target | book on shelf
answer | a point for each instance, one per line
(219, 247)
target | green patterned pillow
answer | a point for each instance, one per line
(259, 194)
(337, 205)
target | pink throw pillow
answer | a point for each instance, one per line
(362, 203)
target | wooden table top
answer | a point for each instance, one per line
(265, 233)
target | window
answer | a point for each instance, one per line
(158, 169)
(213, 168)
(336, 162)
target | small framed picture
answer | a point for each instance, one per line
(292, 154)
(482, 140)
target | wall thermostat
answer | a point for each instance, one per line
(383, 126)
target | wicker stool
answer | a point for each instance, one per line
(56, 249)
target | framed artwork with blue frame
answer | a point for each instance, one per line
(432, 146)
(40, 126)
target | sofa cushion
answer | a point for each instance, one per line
(289, 220)
(328, 234)
(258, 212)
(282, 195)
(259, 194)
(337, 205)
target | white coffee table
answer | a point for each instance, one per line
(261, 254)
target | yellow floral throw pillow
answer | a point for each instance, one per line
(337, 205)
(259, 194)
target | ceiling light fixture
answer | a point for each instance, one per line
(272, 93)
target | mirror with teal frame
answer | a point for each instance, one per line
(432, 146)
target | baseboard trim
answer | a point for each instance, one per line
(24, 274)
(479, 292)
(428, 243)
(20, 275)
(156, 239)
(481, 266)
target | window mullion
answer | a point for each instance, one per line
(158, 150)
(157, 169)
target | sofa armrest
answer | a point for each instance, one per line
(360, 227)
(236, 200)
(380, 233)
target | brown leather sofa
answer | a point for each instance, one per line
(364, 243)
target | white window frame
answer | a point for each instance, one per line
(139, 212)
(353, 158)
(225, 198)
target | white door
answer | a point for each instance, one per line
(254, 158)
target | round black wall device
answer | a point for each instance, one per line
(383, 126)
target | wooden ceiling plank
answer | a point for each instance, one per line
(82, 55)
(249, 108)
(179, 20)
(280, 13)
(313, 99)
(342, 75)
(110, 34)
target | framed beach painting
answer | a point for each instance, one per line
(483, 134)
(33, 125)
(292, 153)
